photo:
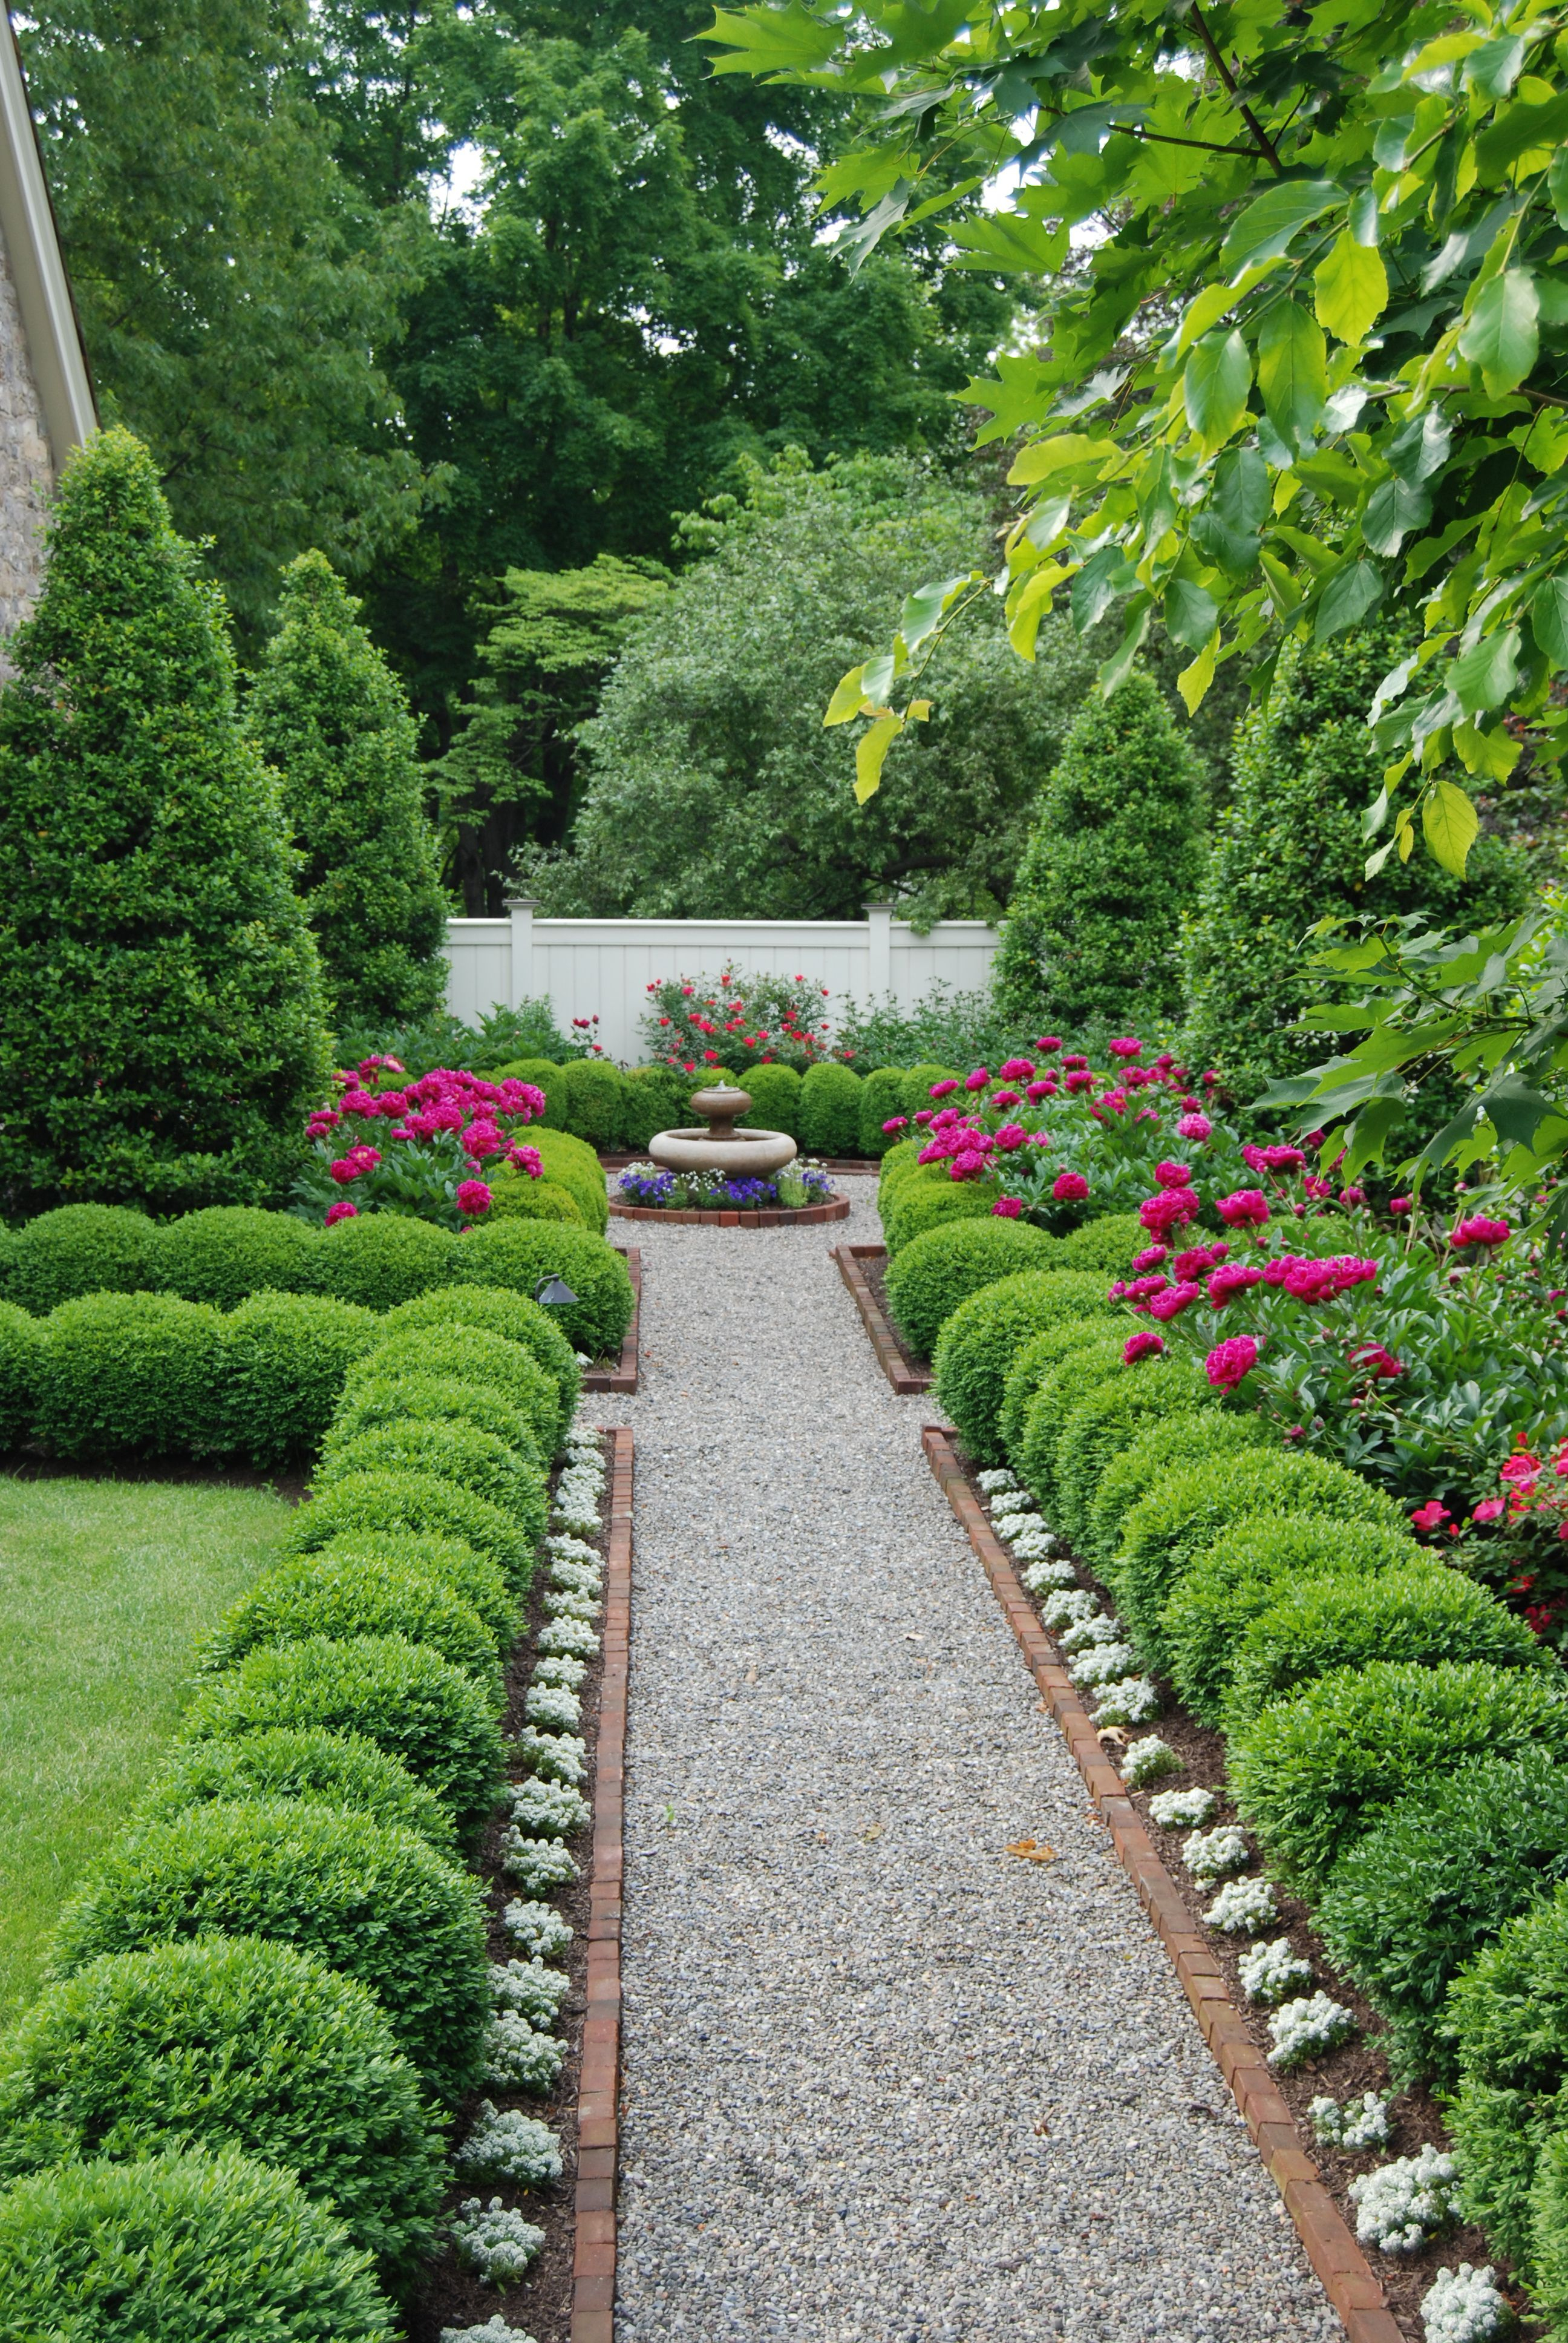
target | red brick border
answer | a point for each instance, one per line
(1347, 2275)
(775, 1216)
(599, 2082)
(902, 1373)
(622, 1376)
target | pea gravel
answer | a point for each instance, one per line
(882, 2079)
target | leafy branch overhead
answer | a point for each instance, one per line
(1313, 361)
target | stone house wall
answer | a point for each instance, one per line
(27, 467)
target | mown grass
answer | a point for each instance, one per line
(104, 1588)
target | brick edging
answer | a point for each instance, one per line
(622, 1376)
(770, 1216)
(906, 1379)
(599, 2081)
(1347, 2277)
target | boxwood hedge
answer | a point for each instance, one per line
(417, 1502)
(572, 1164)
(933, 1200)
(918, 1084)
(881, 1100)
(451, 1560)
(775, 1095)
(515, 1317)
(329, 1769)
(327, 1594)
(1106, 1244)
(285, 1360)
(519, 1254)
(938, 1271)
(1095, 1360)
(381, 1258)
(236, 2042)
(469, 1355)
(1164, 1448)
(1506, 2019)
(830, 1109)
(1102, 1424)
(456, 1452)
(21, 1350)
(120, 1371)
(229, 1251)
(514, 1196)
(1030, 1364)
(382, 1399)
(980, 1341)
(80, 1248)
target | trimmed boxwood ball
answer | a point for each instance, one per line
(1096, 1359)
(934, 1199)
(1245, 1571)
(402, 1696)
(1162, 1449)
(130, 1370)
(1548, 2255)
(656, 1100)
(81, 1248)
(393, 1503)
(938, 1271)
(515, 1197)
(517, 1255)
(228, 1252)
(323, 1594)
(901, 1162)
(1422, 1612)
(457, 1451)
(1312, 1773)
(327, 1769)
(514, 1316)
(1506, 2020)
(775, 1095)
(981, 1340)
(1166, 1531)
(455, 1564)
(1104, 1423)
(1028, 1367)
(595, 1101)
(917, 1094)
(829, 1110)
(185, 2248)
(381, 1258)
(469, 1355)
(231, 2041)
(1106, 1244)
(1436, 1880)
(391, 1398)
(881, 1099)
(369, 1899)
(284, 1359)
(21, 1350)
(570, 1163)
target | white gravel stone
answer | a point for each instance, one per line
(884, 2082)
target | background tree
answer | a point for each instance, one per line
(161, 1023)
(334, 720)
(713, 791)
(1115, 852)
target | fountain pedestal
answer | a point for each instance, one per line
(742, 1154)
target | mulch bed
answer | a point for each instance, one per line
(863, 1269)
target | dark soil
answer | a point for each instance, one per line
(876, 1275)
(291, 1483)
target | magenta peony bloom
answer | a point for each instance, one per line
(1006, 1207)
(1272, 1159)
(1173, 1208)
(359, 1102)
(1142, 1345)
(1375, 1360)
(1011, 1135)
(1521, 1471)
(1199, 1260)
(1249, 1207)
(1018, 1070)
(1352, 1195)
(1076, 1062)
(1116, 1100)
(1400, 1205)
(923, 1117)
(968, 1164)
(526, 1158)
(896, 1123)
(978, 1080)
(1128, 1047)
(1232, 1278)
(1194, 1126)
(481, 1139)
(346, 1170)
(1230, 1363)
(940, 1089)
(1049, 1043)
(341, 1211)
(1152, 1257)
(1479, 1231)
(1069, 1188)
(1046, 1088)
(1173, 1175)
(1173, 1301)
(1077, 1082)
(473, 1196)
(1005, 1098)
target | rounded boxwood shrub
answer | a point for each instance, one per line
(1422, 1612)
(1244, 1572)
(231, 2041)
(1547, 2259)
(938, 1271)
(1104, 1423)
(229, 1251)
(285, 1360)
(455, 1564)
(1094, 1360)
(455, 1451)
(327, 1769)
(517, 1255)
(983, 1335)
(1312, 1773)
(934, 1200)
(775, 1095)
(1505, 2021)
(393, 1503)
(1435, 1881)
(515, 1317)
(81, 1248)
(130, 1370)
(1106, 1244)
(570, 1163)
(319, 1595)
(1166, 1531)
(656, 1100)
(1029, 1365)
(21, 1351)
(916, 1095)
(515, 1197)
(381, 1398)
(183, 2247)
(1162, 1449)
(881, 1099)
(899, 1164)
(370, 1899)
(595, 1094)
(383, 1258)
(402, 1696)
(830, 1109)
(477, 1358)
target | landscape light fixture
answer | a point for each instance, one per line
(554, 1291)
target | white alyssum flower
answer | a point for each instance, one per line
(995, 1481)
(1270, 1972)
(541, 1932)
(580, 1495)
(497, 2244)
(1016, 1509)
(1084, 1633)
(1181, 1809)
(551, 1704)
(1040, 1575)
(1060, 1610)
(549, 1809)
(1146, 1761)
(1463, 2306)
(1103, 1663)
(560, 1756)
(1031, 1542)
(1301, 2029)
(537, 1863)
(505, 2146)
(1242, 1907)
(494, 2330)
(577, 1514)
(530, 1989)
(571, 1635)
(1209, 1855)
(1131, 1702)
(556, 1669)
(518, 2056)
(1403, 2204)
(570, 1603)
(1358, 2124)
(574, 1549)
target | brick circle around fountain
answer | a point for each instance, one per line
(768, 1216)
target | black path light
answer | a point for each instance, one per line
(554, 1291)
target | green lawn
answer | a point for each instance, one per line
(104, 1588)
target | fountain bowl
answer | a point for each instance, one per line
(742, 1154)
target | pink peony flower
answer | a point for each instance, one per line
(1129, 1046)
(341, 1211)
(526, 1158)
(1521, 1471)
(896, 1123)
(1173, 1301)
(1400, 1205)
(1018, 1070)
(1173, 1175)
(1077, 1082)
(1232, 1278)
(1116, 1100)
(1199, 1260)
(1069, 1188)
(1006, 1207)
(481, 1139)
(1011, 1135)
(1049, 1043)
(978, 1080)
(923, 1117)
(359, 1102)
(347, 1169)
(1230, 1363)
(1352, 1195)
(1194, 1126)
(1272, 1159)
(1005, 1098)
(1046, 1088)
(473, 1197)
(1479, 1231)
(940, 1089)
(1249, 1207)
(1142, 1345)
(1373, 1360)
(1152, 1257)
(1173, 1208)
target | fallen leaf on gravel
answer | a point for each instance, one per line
(1031, 1850)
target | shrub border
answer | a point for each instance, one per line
(1343, 2269)
(775, 1216)
(598, 2075)
(906, 1377)
(622, 1376)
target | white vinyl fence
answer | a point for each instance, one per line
(603, 968)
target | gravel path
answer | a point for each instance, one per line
(882, 2080)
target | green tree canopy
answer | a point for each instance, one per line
(713, 790)
(161, 1028)
(334, 720)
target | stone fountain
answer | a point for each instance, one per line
(742, 1154)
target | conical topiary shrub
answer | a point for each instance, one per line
(161, 1023)
(332, 719)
